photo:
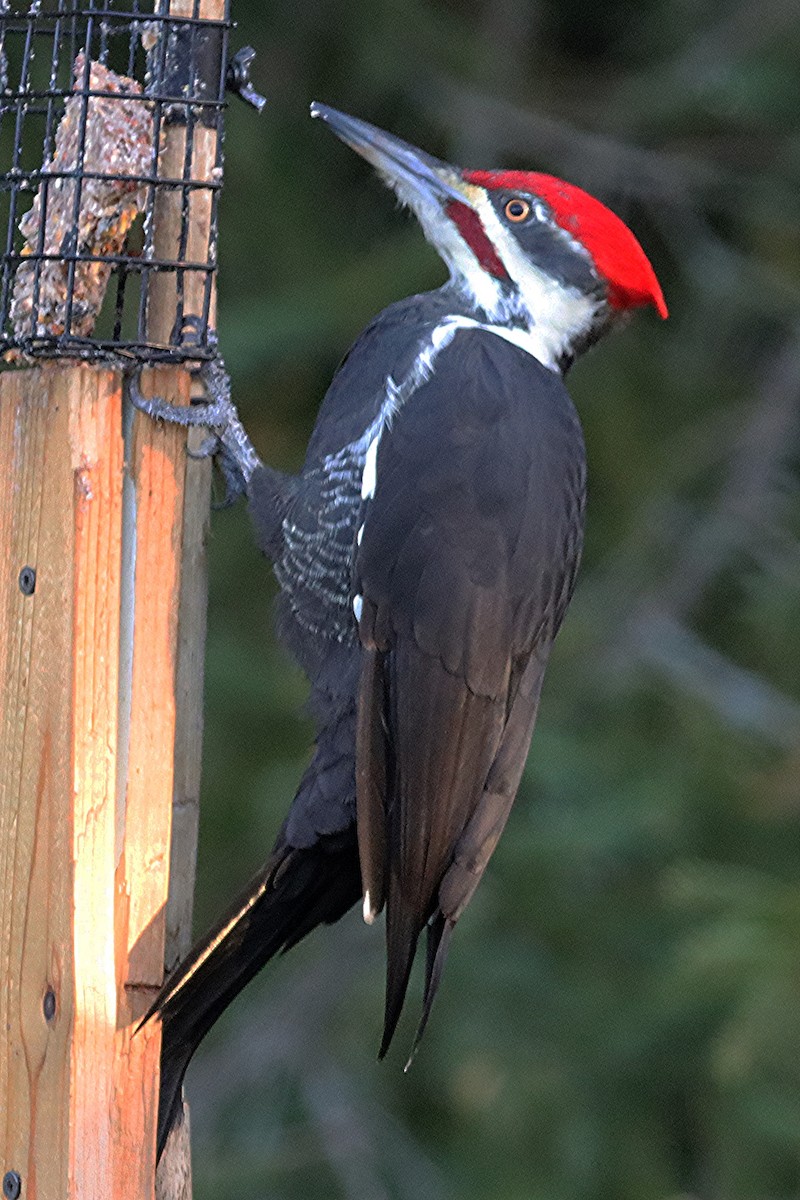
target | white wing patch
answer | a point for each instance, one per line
(370, 474)
(369, 912)
(397, 394)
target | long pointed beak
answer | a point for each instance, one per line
(411, 172)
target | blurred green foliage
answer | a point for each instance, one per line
(621, 1011)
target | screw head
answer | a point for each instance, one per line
(49, 1004)
(27, 581)
(12, 1185)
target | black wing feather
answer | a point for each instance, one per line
(470, 544)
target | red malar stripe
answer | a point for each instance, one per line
(469, 226)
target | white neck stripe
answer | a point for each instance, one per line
(529, 340)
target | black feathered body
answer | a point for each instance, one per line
(466, 547)
(426, 554)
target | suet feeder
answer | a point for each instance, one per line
(103, 249)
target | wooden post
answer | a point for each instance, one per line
(89, 671)
(102, 629)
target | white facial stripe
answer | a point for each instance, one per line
(531, 341)
(484, 290)
(556, 314)
(559, 314)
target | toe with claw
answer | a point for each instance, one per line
(227, 443)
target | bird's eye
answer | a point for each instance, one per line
(517, 209)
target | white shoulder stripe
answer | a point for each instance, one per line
(397, 394)
(529, 340)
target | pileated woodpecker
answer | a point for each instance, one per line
(426, 555)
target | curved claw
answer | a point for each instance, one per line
(207, 448)
(134, 390)
(227, 465)
(235, 483)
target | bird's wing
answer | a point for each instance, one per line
(465, 558)
(482, 832)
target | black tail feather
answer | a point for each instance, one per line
(296, 891)
(402, 935)
(440, 930)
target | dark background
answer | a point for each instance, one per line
(620, 1016)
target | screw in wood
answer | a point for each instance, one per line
(12, 1185)
(49, 1005)
(27, 581)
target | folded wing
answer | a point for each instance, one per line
(466, 561)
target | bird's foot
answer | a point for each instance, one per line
(227, 442)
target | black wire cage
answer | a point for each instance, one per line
(99, 191)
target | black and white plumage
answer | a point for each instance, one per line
(426, 555)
